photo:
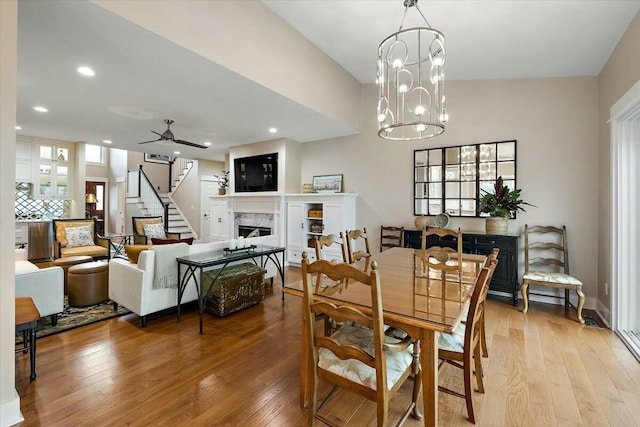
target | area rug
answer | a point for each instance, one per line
(75, 317)
(592, 319)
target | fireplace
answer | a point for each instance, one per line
(245, 230)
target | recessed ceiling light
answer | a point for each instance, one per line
(273, 130)
(176, 152)
(40, 109)
(107, 141)
(207, 143)
(86, 71)
(18, 127)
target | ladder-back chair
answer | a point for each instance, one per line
(546, 260)
(358, 356)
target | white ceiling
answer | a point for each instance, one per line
(142, 78)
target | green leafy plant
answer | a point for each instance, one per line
(503, 201)
(223, 182)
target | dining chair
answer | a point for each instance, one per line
(546, 260)
(356, 240)
(390, 237)
(329, 241)
(483, 333)
(443, 259)
(462, 347)
(357, 357)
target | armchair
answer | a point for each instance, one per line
(139, 235)
(70, 240)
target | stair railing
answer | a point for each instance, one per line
(176, 169)
(149, 196)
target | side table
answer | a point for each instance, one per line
(27, 316)
(117, 241)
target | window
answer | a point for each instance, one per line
(95, 154)
(451, 179)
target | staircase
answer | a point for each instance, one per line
(150, 203)
(177, 224)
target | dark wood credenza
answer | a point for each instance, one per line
(505, 278)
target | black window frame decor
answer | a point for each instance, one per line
(450, 179)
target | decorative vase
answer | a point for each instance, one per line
(421, 222)
(222, 191)
(496, 225)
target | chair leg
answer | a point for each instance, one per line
(478, 363)
(524, 289)
(580, 305)
(567, 303)
(417, 380)
(383, 413)
(483, 335)
(468, 389)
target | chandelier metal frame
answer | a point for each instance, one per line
(410, 79)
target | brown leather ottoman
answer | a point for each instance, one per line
(88, 283)
(67, 262)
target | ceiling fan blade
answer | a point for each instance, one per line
(146, 142)
(190, 144)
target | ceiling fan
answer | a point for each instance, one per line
(167, 135)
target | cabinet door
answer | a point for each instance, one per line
(505, 278)
(295, 231)
(23, 171)
(332, 217)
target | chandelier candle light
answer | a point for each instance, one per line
(410, 78)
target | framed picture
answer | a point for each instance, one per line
(327, 184)
(157, 158)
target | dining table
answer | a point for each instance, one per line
(414, 299)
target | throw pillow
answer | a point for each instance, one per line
(133, 251)
(79, 236)
(154, 230)
(156, 241)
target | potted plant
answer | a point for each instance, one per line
(223, 182)
(500, 205)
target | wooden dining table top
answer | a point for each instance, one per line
(409, 295)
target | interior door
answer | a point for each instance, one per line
(207, 188)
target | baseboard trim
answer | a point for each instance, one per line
(10, 411)
(604, 313)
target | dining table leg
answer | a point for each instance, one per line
(429, 364)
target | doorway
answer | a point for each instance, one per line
(95, 206)
(625, 227)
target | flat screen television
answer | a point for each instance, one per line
(256, 173)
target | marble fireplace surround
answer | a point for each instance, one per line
(257, 211)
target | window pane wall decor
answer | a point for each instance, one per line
(450, 179)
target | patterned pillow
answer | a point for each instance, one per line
(79, 236)
(154, 230)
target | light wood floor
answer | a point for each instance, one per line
(543, 370)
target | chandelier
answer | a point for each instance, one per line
(410, 78)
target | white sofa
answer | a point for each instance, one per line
(132, 285)
(45, 286)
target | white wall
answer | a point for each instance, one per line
(288, 162)
(9, 399)
(555, 124)
(620, 72)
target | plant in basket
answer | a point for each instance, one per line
(501, 205)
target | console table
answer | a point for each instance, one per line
(505, 277)
(192, 267)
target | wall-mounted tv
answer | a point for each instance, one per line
(256, 173)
